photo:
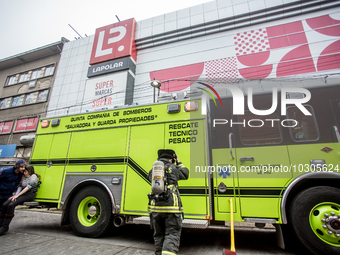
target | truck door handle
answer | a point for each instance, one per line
(247, 158)
(49, 164)
(231, 145)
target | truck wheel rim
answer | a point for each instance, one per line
(324, 220)
(89, 211)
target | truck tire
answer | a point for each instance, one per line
(315, 219)
(91, 212)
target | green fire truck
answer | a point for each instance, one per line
(280, 170)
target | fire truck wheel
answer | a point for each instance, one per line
(90, 212)
(315, 218)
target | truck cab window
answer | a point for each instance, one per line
(260, 130)
(304, 127)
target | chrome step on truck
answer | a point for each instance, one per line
(187, 223)
(32, 204)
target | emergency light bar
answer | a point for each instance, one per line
(55, 122)
(45, 124)
(174, 108)
(191, 106)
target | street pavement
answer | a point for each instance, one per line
(39, 232)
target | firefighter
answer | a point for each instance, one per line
(166, 209)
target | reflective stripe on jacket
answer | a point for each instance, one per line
(173, 174)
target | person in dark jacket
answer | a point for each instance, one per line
(9, 180)
(28, 191)
(166, 210)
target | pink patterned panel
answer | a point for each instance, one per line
(251, 42)
(252, 49)
(257, 72)
(178, 78)
(297, 61)
(330, 57)
(255, 59)
(325, 25)
(286, 35)
(221, 70)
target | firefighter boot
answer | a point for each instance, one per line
(5, 225)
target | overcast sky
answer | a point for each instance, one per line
(29, 24)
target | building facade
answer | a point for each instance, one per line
(26, 80)
(249, 43)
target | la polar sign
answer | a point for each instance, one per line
(114, 41)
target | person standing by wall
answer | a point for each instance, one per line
(166, 209)
(29, 187)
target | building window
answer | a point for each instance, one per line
(11, 80)
(23, 77)
(4, 103)
(22, 152)
(27, 152)
(30, 98)
(42, 96)
(26, 125)
(24, 99)
(49, 70)
(36, 74)
(16, 101)
(31, 75)
(6, 127)
(19, 152)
